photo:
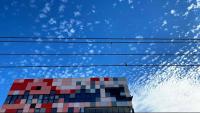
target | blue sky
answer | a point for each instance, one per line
(95, 19)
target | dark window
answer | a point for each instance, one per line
(19, 111)
(26, 93)
(71, 110)
(61, 96)
(82, 86)
(54, 110)
(115, 79)
(107, 110)
(78, 83)
(52, 92)
(32, 105)
(42, 110)
(45, 101)
(8, 99)
(115, 92)
(37, 110)
(14, 97)
(38, 88)
(35, 96)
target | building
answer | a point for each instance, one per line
(71, 95)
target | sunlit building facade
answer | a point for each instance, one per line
(69, 95)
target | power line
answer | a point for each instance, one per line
(101, 42)
(96, 54)
(69, 38)
(104, 65)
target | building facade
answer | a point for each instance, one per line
(70, 95)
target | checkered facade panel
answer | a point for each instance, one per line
(71, 95)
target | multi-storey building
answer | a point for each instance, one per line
(70, 95)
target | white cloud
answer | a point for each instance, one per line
(172, 11)
(42, 15)
(72, 30)
(164, 23)
(47, 8)
(77, 13)
(91, 51)
(52, 21)
(61, 8)
(170, 90)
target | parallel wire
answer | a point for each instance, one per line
(99, 42)
(92, 40)
(103, 65)
(138, 40)
(11, 37)
(95, 54)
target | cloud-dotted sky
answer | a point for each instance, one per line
(153, 88)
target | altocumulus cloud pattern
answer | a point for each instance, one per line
(154, 44)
